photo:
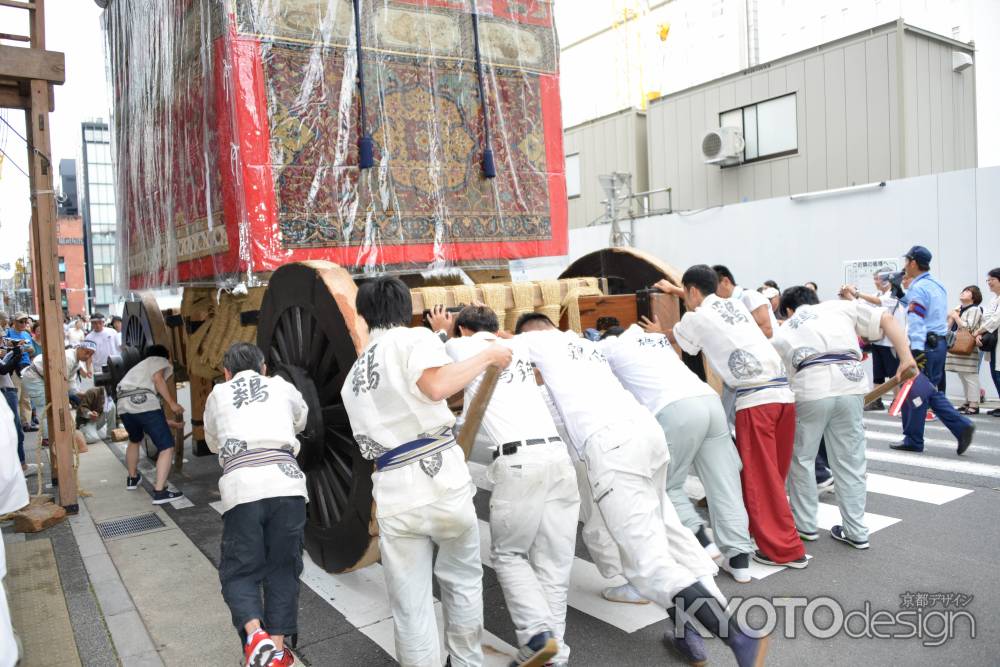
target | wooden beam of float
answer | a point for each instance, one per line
(564, 287)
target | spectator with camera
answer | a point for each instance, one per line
(986, 333)
(10, 364)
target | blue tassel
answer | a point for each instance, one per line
(489, 168)
(366, 152)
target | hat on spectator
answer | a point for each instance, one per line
(19, 315)
(89, 344)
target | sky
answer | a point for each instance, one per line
(72, 27)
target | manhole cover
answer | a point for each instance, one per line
(130, 525)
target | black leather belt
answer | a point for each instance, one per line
(508, 448)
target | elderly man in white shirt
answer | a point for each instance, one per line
(694, 424)
(535, 503)
(626, 456)
(818, 344)
(251, 422)
(765, 408)
(105, 341)
(34, 383)
(395, 398)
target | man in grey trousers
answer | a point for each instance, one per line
(818, 344)
(694, 423)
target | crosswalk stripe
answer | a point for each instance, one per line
(827, 516)
(929, 443)
(362, 598)
(934, 463)
(935, 494)
(585, 586)
(982, 427)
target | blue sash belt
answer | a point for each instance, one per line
(773, 383)
(826, 358)
(256, 458)
(414, 450)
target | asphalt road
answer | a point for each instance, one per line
(938, 532)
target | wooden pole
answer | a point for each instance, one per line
(477, 410)
(43, 234)
(43, 230)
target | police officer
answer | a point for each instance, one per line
(926, 319)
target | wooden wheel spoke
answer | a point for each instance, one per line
(336, 485)
(335, 417)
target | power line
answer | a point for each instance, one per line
(22, 138)
(4, 153)
(14, 129)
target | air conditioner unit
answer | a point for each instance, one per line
(723, 146)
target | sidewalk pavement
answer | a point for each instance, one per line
(149, 598)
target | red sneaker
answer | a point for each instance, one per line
(286, 660)
(260, 649)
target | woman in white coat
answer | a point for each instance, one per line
(990, 325)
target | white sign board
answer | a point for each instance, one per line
(859, 272)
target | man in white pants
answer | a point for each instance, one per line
(626, 457)
(818, 344)
(395, 397)
(535, 503)
(694, 424)
(13, 496)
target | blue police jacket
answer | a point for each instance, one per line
(926, 310)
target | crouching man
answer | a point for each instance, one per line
(395, 397)
(251, 422)
(96, 415)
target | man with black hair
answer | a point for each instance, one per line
(765, 408)
(139, 394)
(926, 304)
(251, 422)
(535, 503)
(818, 344)
(395, 397)
(759, 307)
(626, 456)
(694, 424)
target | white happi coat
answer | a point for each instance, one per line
(825, 328)
(535, 503)
(254, 413)
(736, 347)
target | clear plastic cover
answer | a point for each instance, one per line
(237, 127)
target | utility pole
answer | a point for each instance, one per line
(26, 79)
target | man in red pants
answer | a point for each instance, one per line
(765, 408)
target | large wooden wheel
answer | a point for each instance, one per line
(627, 270)
(309, 332)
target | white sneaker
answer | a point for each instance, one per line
(739, 567)
(625, 593)
(30, 469)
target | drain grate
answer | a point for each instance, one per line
(130, 525)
